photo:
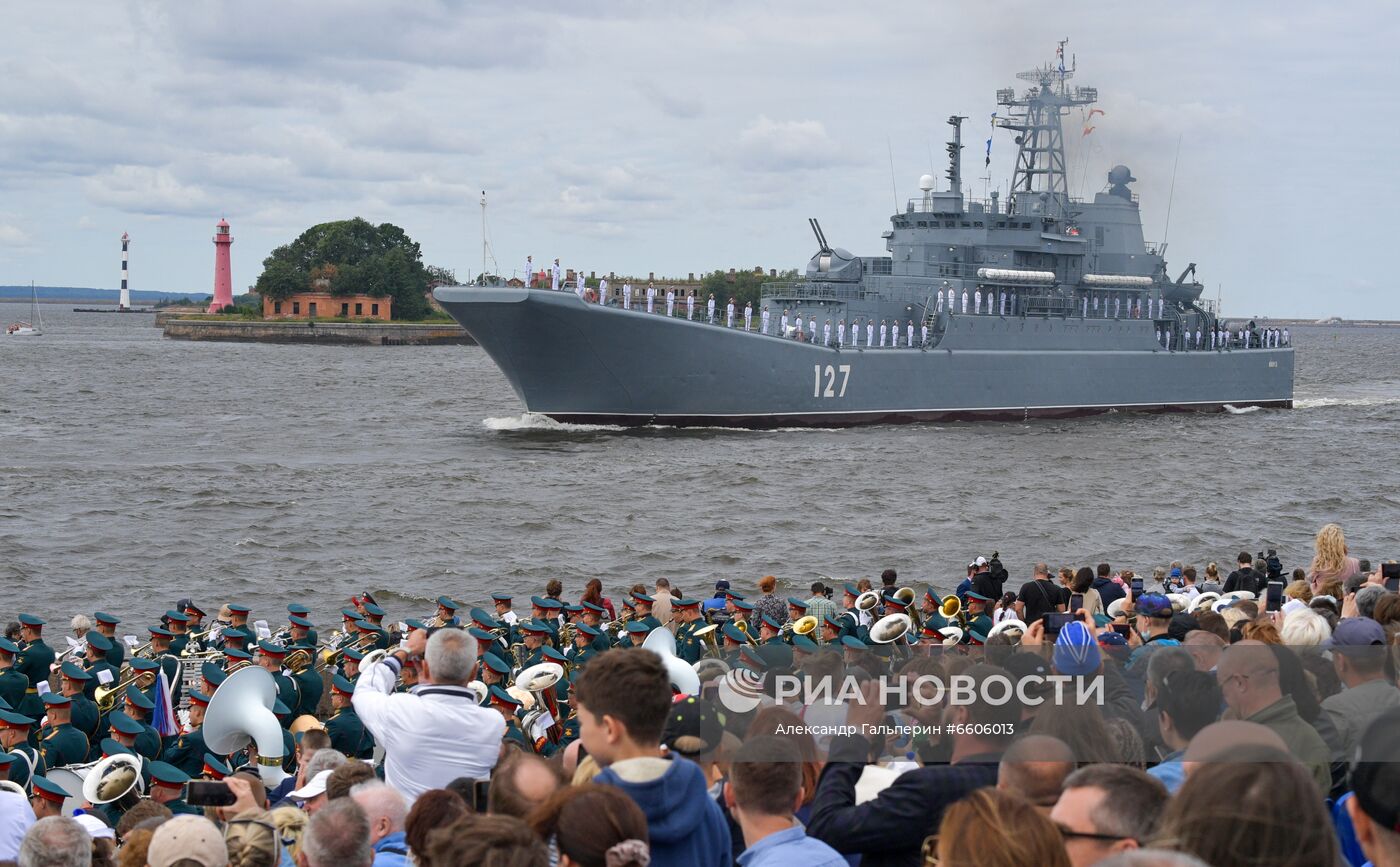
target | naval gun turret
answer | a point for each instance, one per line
(832, 263)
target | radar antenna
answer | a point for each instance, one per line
(1035, 117)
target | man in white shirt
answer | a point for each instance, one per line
(826, 333)
(651, 298)
(711, 306)
(748, 315)
(841, 333)
(923, 334)
(435, 732)
(812, 329)
(626, 296)
(884, 331)
(729, 314)
(554, 276)
(690, 305)
(602, 290)
(763, 320)
(940, 301)
(964, 301)
(783, 324)
(529, 271)
(977, 301)
(870, 332)
(909, 332)
(670, 302)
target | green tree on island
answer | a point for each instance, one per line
(355, 258)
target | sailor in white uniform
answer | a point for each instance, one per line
(964, 301)
(710, 306)
(841, 333)
(783, 324)
(940, 301)
(812, 329)
(1085, 313)
(690, 305)
(977, 301)
(1198, 338)
(763, 320)
(1285, 337)
(554, 276)
(923, 334)
(651, 298)
(748, 315)
(729, 314)
(602, 289)
(826, 333)
(869, 332)
(909, 330)
(671, 302)
(529, 271)
(884, 331)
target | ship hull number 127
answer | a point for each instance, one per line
(830, 381)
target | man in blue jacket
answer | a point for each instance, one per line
(623, 700)
(385, 809)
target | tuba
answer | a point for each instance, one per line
(801, 626)
(241, 712)
(867, 602)
(707, 635)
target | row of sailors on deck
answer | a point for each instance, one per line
(1222, 338)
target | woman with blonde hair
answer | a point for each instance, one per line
(992, 828)
(253, 840)
(291, 824)
(1330, 560)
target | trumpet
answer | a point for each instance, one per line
(107, 697)
(619, 623)
(193, 641)
(433, 622)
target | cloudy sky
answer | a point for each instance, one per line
(648, 136)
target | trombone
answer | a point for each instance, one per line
(108, 696)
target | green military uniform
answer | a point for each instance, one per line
(178, 643)
(516, 734)
(348, 733)
(650, 622)
(287, 691)
(147, 743)
(34, 662)
(186, 751)
(310, 688)
(117, 655)
(582, 656)
(688, 647)
(27, 763)
(86, 718)
(62, 745)
(13, 686)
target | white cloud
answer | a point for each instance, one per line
(13, 236)
(767, 145)
(145, 190)
(86, 223)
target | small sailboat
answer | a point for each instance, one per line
(35, 326)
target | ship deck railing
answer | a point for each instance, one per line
(1169, 323)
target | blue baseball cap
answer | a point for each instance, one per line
(1153, 605)
(1076, 652)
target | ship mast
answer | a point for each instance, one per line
(1035, 116)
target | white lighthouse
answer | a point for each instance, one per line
(124, 303)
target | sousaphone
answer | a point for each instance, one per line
(241, 713)
(890, 628)
(1012, 625)
(683, 678)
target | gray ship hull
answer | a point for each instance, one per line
(592, 364)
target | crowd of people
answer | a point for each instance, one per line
(1240, 718)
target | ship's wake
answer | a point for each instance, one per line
(533, 421)
(1320, 402)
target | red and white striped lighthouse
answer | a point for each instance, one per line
(223, 277)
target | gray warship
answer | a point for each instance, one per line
(1032, 305)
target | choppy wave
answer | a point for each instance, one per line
(1240, 410)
